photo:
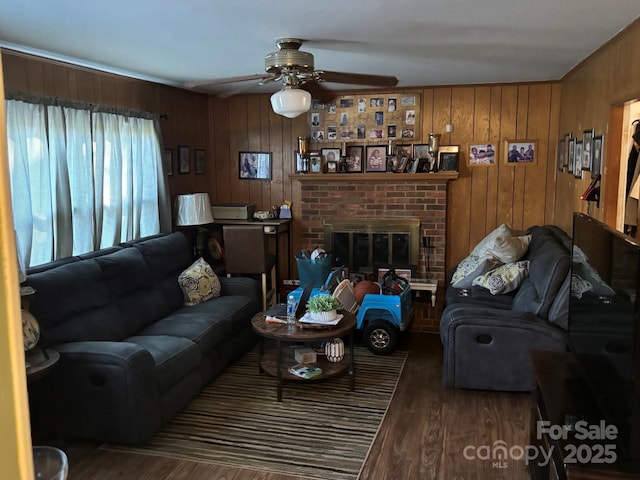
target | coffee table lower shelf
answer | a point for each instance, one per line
(269, 364)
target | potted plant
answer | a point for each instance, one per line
(323, 307)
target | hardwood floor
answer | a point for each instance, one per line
(423, 436)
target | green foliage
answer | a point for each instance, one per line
(323, 303)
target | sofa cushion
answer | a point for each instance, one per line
(125, 271)
(66, 291)
(505, 278)
(236, 310)
(559, 310)
(549, 262)
(166, 255)
(199, 283)
(174, 357)
(205, 330)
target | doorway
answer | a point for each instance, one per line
(627, 206)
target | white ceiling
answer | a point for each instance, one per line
(421, 42)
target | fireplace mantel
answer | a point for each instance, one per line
(376, 177)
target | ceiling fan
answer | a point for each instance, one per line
(295, 68)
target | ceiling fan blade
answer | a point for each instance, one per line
(318, 91)
(222, 81)
(356, 78)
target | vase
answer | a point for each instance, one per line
(323, 316)
(334, 350)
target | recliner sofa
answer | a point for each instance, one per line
(132, 354)
(487, 339)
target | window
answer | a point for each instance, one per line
(82, 180)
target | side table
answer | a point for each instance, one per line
(423, 284)
(275, 363)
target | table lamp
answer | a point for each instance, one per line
(193, 210)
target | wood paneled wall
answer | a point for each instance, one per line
(592, 97)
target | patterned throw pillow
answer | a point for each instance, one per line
(504, 279)
(199, 283)
(470, 268)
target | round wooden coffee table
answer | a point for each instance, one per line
(277, 362)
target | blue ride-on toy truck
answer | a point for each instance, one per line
(380, 316)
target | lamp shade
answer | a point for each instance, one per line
(291, 102)
(193, 209)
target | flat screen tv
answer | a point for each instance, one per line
(604, 330)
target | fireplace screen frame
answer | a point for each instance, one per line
(370, 228)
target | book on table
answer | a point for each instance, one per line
(305, 371)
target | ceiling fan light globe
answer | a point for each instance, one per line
(291, 102)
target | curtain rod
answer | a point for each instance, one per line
(81, 105)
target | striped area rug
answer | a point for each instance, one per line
(321, 430)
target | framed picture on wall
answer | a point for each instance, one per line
(577, 160)
(598, 151)
(200, 162)
(183, 159)
(587, 149)
(520, 152)
(254, 165)
(482, 154)
(167, 160)
(571, 154)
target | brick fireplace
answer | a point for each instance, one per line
(380, 197)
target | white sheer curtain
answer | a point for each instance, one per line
(82, 180)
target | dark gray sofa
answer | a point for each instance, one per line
(132, 356)
(487, 339)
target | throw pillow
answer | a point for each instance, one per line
(505, 278)
(509, 249)
(199, 283)
(502, 231)
(470, 268)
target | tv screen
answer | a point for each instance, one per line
(603, 327)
